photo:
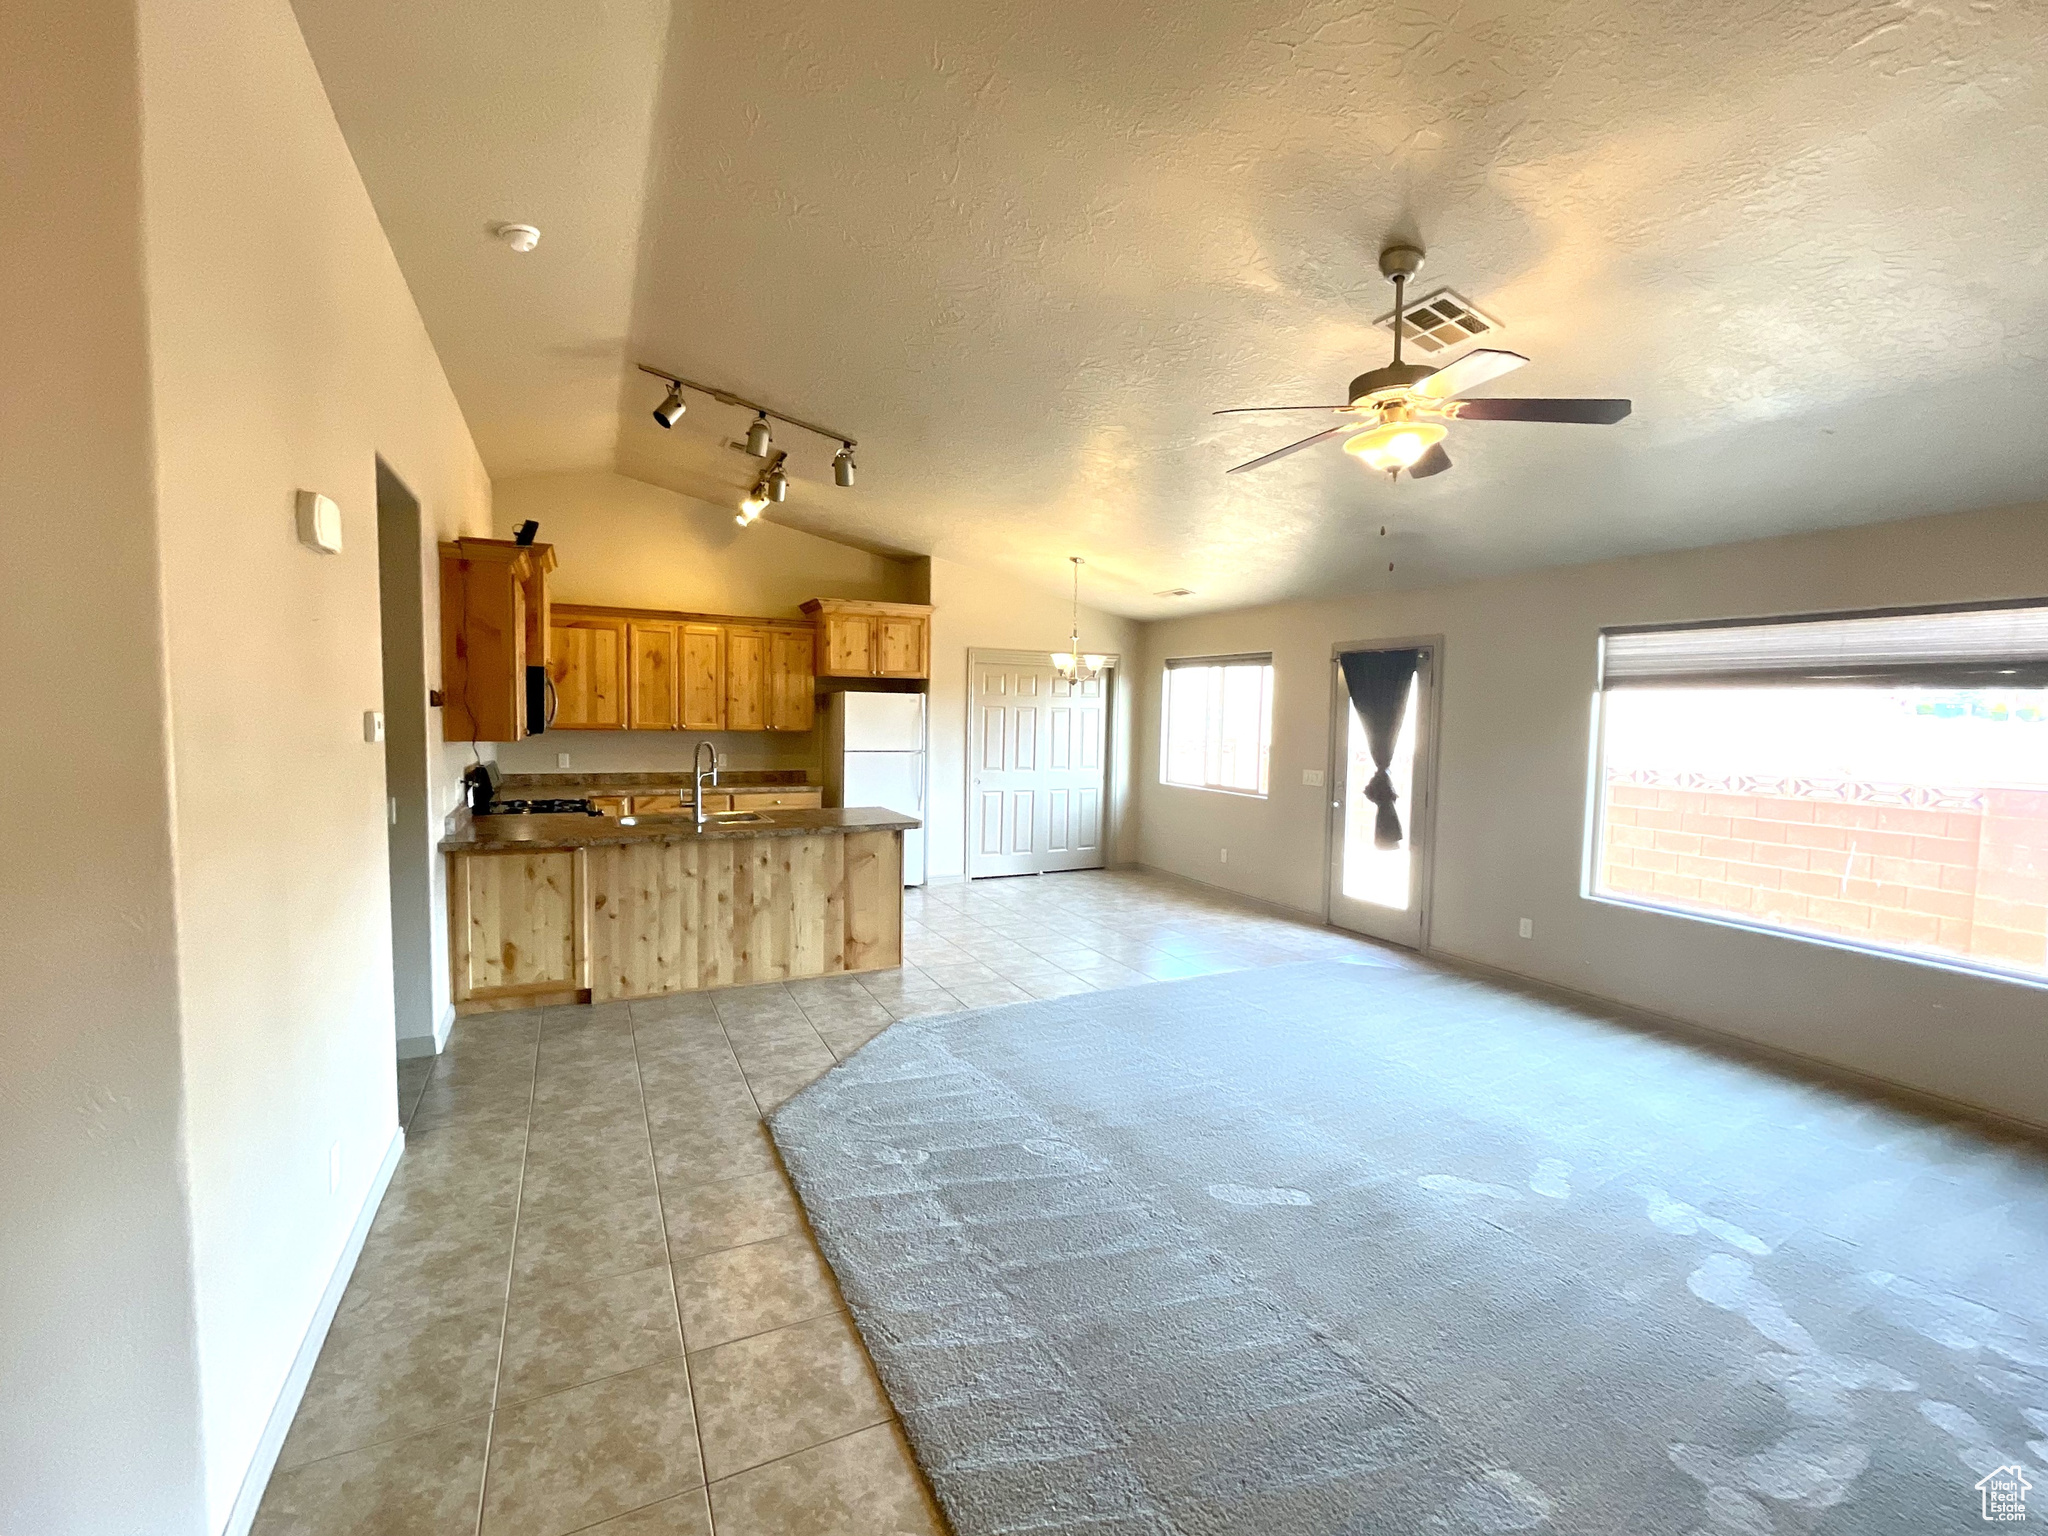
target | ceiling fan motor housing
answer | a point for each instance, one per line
(1393, 376)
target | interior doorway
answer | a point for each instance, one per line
(1037, 748)
(408, 827)
(1384, 700)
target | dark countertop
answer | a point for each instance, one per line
(489, 834)
(563, 786)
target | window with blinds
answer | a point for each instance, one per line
(1875, 779)
(1217, 730)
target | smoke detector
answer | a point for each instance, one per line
(521, 237)
(1176, 592)
(1438, 321)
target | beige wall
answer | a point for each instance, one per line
(630, 544)
(99, 1367)
(1517, 701)
(979, 608)
(286, 353)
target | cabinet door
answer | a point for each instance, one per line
(899, 647)
(746, 678)
(847, 645)
(703, 665)
(587, 665)
(794, 799)
(518, 923)
(791, 684)
(651, 679)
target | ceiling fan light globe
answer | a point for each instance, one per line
(1396, 444)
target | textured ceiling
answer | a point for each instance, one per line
(1022, 250)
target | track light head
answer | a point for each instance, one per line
(842, 466)
(671, 408)
(757, 436)
(777, 484)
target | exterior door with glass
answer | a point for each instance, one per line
(1382, 787)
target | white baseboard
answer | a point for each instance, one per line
(411, 1046)
(257, 1478)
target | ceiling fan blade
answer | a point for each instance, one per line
(1469, 372)
(1240, 410)
(1281, 453)
(1434, 462)
(1593, 412)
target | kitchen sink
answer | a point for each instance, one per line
(686, 819)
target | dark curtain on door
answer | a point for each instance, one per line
(1378, 684)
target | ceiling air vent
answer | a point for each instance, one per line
(1439, 321)
(1176, 592)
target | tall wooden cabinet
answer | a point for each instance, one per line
(868, 639)
(495, 624)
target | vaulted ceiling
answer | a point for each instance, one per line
(1023, 248)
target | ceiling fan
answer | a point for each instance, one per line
(1397, 413)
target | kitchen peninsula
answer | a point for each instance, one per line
(547, 909)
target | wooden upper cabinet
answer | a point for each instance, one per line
(900, 646)
(587, 665)
(792, 681)
(703, 663)
(863, 639)
(637, 669)
(652, 667)
(494, 625)
(846, 645)
(746, 678)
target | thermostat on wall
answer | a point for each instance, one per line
(319, 523)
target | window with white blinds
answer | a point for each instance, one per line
(1871, 779)
(1217, 730)
(2001, 646)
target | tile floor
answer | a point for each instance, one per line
(589, 1302)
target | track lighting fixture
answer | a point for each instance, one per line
(773, 485)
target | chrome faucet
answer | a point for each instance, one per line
(697, 778)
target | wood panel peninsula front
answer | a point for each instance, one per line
(562, 909)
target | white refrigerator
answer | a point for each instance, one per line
(874, 755)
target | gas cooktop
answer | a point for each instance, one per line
(541, 808)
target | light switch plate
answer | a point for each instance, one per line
(1312, 777)
(373, 726)
(1528, 929)
(319, 523)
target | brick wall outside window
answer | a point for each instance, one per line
(1967, 882)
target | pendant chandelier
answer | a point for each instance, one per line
(1070, 663)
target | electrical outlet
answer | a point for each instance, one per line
(721, 759)
(1528, 929)
(561, 759)
(373, 726)
(1313, 777)
(1226, 855)
(334, 1169)
(394, 810)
